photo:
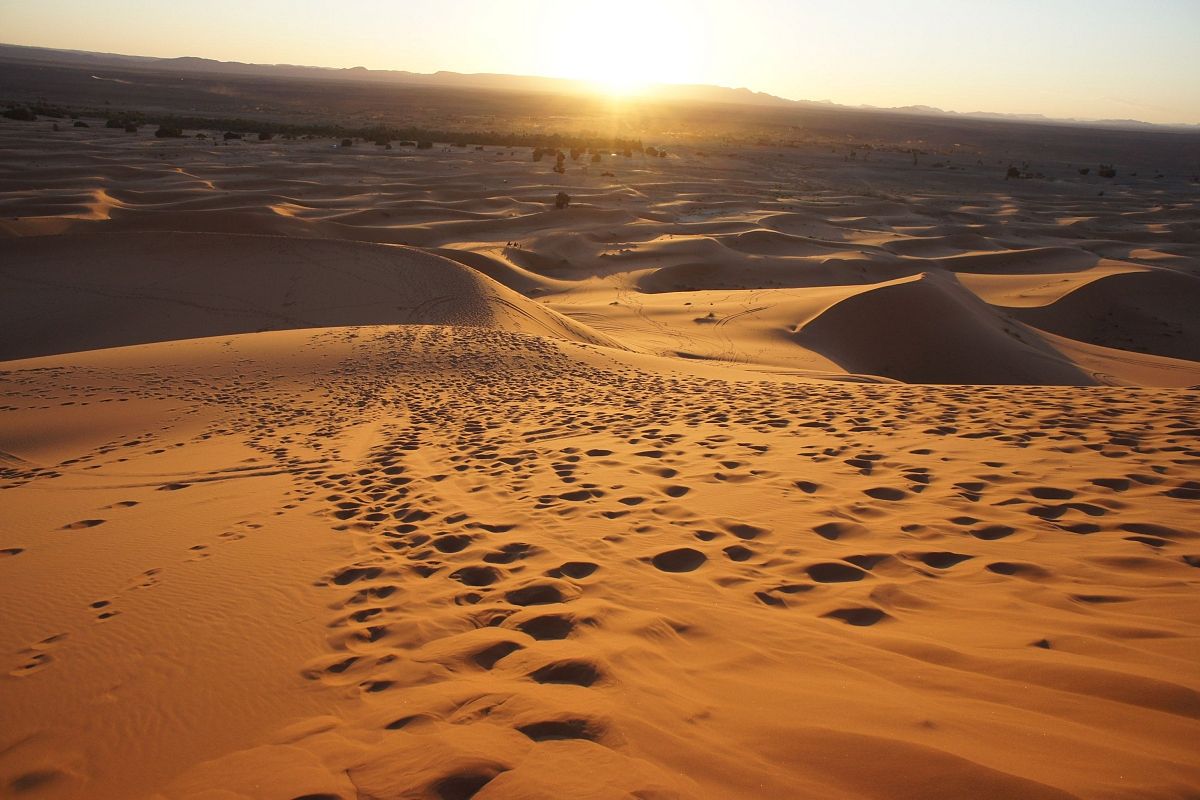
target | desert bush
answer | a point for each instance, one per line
(347, 143)
(168, 132)
(201, 135)
(1013, 172)
(562, 200)
(81, 124)
(1084, 170)
(382, 142)
(115, 122)
(408, 143)
(131, 128)
(652, 152)
(265, 136)
(424, 145)
(20, 113)
(1107, 171)
(55, 127)
(538, 153)
(595, 158)
(231, 135)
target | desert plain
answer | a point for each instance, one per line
(757, 471)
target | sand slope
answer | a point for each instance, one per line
(649, 245)
(892, 328)
(440, 562)
(64, 294)
(409, 485)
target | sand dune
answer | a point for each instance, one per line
(1147, 311)
(888, 329)
(341, 473)
(64, 294)
(431, 561)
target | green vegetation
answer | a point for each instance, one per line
(552, 142)
(21, 114)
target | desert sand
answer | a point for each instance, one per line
(359, 473)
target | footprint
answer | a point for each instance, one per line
(1051, 493)
(352, 574)
(487, 657)
(744, 530)
(1018, 569)
(835, 531)
(859, 617)
(573, 569)
(577, 673)
(81, 524)
(941, 560)
(737, 552)
(993, 532)
(547, 627)
(451, 543)
(835, 572)
(537, 594)
(560, 729)
(476, 576)
(463, 785)
(684, 559)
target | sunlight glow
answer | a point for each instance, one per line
(623, 47)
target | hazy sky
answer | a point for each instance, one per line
(1064, 58)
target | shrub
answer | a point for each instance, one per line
(167, 132)
(595, 158)
(231, 135)
(538, 153)
(650, 151)
(425, 145)
(21, 114)
(131, 128)
(562, 200)
(408, 144)
(55, 127)
(115, 122)
(347, 143)
(1107, 171)
(1013, 172)
(1084, 171)
(201, 135)
(81, 124)
(265, 136)
(381, 142)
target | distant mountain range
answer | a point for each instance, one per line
(497, 82)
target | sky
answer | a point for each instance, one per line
(1086, 59)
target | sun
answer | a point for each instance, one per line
(623, 48)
